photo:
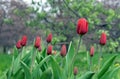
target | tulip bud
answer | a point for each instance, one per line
(63, 51)
(82, 26)
(91, 51)
(24, 40)
(49, 50)
(103, 39)
(18, 44)
(40, 48)
(49, 38)
(75, 70)
(37, 42)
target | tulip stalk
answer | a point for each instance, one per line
(91, 57)
(79, 44)
(77, 48)
(74, 76)
(90, 63)
(100, 56)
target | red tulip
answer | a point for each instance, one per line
(24, 40)
(103, 39)
(49, 50)
(18, 44)
(82, 26)
(37, 42)
(91, 51)
(63, 51)
(49, 38)
(75, 70)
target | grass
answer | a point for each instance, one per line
(5, 62)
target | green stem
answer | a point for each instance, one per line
(77, 48)
(90, 63)
(100, 56)
(79, 44)
(74, 76)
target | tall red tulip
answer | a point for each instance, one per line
(37, 42)
(103, 39)
(63, 51)
(49, 38)
(49, 50)
(18, 44)
(91, 51)
(82, 26)
(24, 40)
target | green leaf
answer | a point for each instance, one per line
(87, 75)
(111, 73)
(36, 73)
(15, 52)
(16, 64)
(57, 71)
(44, 52)
(69, 59)
(46, 74)
(27, 59)
(39, 68)
(26, 70)
(106, 66)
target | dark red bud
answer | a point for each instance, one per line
(49, 38)
(24, 40)
(75, 70)
(63, 51)
(37, 42)
(18, 44)
(103, 39)
(91, 51)
(49, 50)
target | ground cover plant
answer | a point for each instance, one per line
(44, 63)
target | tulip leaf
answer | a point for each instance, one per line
(69, 59)
(26, 70)
(38, 69)
(57, 71)
(106, 66)
(110, 74)
(43, 62)
(87, 75)
(36, 73)
(44, 53)
(27, 59)
(46, 74)
(16, 64)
